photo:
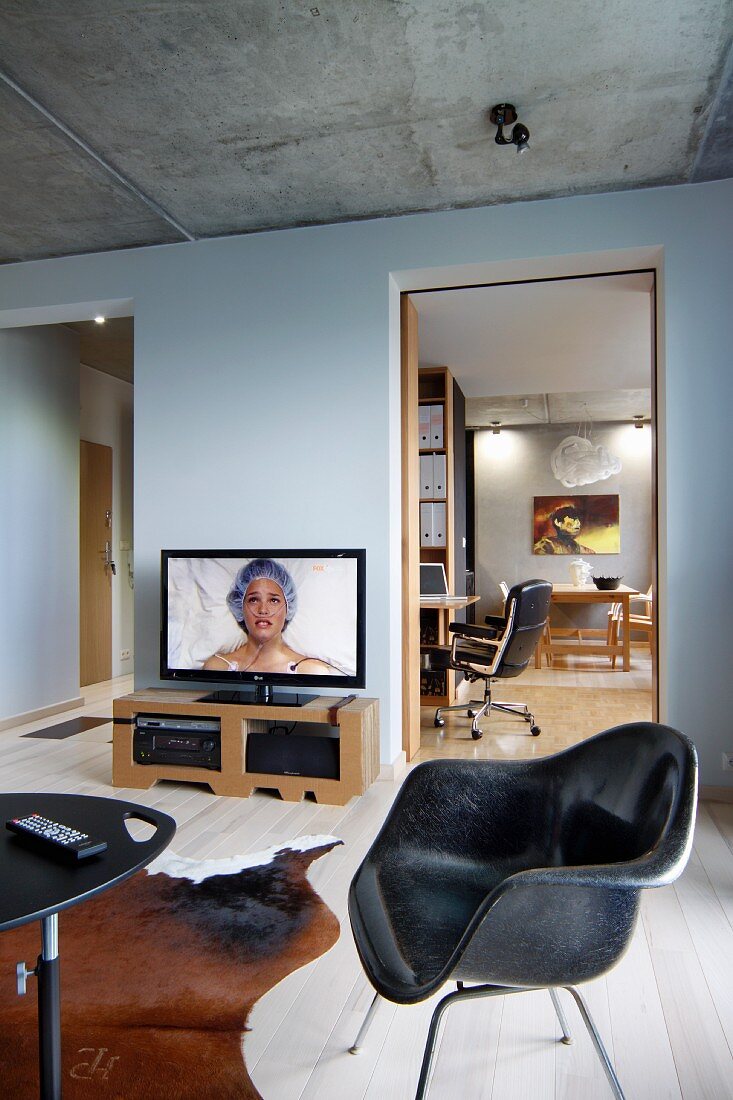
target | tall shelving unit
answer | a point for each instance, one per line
(436, 390)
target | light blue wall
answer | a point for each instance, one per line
(39, 518)
(266, 374)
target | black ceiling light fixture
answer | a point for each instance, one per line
(504, 114)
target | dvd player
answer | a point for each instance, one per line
(161, 722)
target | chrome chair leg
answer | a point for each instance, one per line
(359, 1041)
(466, 993)
(484, 711)
(463, 993)
(597, 1043)
(567, 1037)
(521, 710)
(470, 705)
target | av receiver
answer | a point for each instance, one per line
(163, 739)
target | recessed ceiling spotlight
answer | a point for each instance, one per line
(504, 114)
(100, 320)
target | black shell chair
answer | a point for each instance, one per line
(521, 874)
(498, 651)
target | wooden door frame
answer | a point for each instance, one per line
(410, 530)
(409, 360)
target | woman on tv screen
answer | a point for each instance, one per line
(263, 600)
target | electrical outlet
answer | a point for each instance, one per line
(125, 656)
(728, 761)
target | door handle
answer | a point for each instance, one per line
(108, 558)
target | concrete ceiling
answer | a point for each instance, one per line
(529, 410)
(544, 352)
(130, 124)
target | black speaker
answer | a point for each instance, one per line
(311, 750)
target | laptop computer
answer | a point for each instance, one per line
(433, 583)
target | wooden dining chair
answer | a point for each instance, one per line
(643, 622)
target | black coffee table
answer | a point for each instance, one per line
(37, 887)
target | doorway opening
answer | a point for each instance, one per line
(52, 400)
(106, 556)
(539, 360)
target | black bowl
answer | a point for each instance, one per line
(607, 584)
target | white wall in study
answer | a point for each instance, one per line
(265, 390)
(511, 468)
(39, 509)
(106, 418)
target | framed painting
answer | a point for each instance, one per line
(576, 525)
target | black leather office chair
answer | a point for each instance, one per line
(521, 874)
(501, 649)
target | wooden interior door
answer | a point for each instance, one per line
(95, 571)
(410, 534)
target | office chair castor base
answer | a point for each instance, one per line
(470, 713)
(535, 731)
(476, 734)
(439, 721)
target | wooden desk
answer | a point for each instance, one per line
(448, 603)
(446, 606)
(588, 593)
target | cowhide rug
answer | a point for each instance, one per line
(159, 976)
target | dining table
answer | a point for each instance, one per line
(589, 594)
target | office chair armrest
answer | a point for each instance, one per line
(474, 655)
(468, 630)
(495, 622)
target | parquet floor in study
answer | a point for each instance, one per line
(665, 1012)
(570, 702)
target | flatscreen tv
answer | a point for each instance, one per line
(251, 620)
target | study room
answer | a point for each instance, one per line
(536, 456)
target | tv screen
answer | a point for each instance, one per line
(287, 617)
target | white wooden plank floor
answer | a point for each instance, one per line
(665, 1012)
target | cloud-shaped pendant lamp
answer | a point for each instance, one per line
(576, 461)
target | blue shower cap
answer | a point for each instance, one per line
(262, 569)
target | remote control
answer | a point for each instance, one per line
(53, 838)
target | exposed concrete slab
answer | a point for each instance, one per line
(714, 160)
(243, 117)
(55, 200)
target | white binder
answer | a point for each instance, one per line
(426, 524)
(439, 467)
(438, 524)
(423, 423)
(426, 477)
(436, 426)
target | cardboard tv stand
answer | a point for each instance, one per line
(358, 723)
